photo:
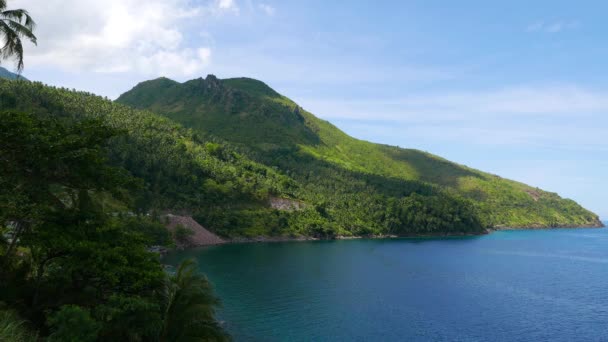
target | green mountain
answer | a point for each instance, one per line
(10, 75)
(360, 186)
(253, 163)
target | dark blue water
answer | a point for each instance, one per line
(536, 285)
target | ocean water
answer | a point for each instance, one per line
(528, 285)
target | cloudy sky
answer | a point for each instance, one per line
(513, 87)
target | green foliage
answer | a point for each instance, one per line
(430, 214)
(73, 324)
(14, 329)
(69, 263)
(153, 232)
(190, 307)
(130, 318)
(47, 162)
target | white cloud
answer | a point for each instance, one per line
(269, 10)
(552, 27)
(557, 118)
(521, 101)
(227, 6)
(119, 36)
(185, 62)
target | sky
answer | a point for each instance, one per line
(515, 88)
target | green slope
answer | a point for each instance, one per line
(332, 166)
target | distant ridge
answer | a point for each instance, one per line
(4, 73)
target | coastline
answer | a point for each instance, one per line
(273, 239)
(278, 239)
(598, 224)
(262, 239)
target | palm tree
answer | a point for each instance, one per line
(190, 307)
(14, 25)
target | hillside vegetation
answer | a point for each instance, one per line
(75, 261)
(181, 170)
(344, 175)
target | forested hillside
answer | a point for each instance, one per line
(184, 171)
(343, 175)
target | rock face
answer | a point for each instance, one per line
(285, 204)
(201, 236)
(535, 194)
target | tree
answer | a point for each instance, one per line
(50, 164)
(190, 307)
(73, 324)
(54, 177)
(14, 25)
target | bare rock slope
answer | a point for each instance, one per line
(201, 236)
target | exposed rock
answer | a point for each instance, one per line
(201, 236)
(213, 82)
(535, 194)
(286, 204)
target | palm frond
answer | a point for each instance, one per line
(11, 39)
(19, 15)
(13, 31)
(14, 25)
(190, 306)
(22, 30)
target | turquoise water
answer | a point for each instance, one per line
(534, 285)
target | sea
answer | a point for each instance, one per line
(516, 285)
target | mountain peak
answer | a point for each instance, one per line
(213, 82)
(243, 108)
(212, 78)
(251, 86)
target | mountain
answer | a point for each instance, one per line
(262, 166)
(349, 179)
(10, 75)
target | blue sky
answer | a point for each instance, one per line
(516, 88)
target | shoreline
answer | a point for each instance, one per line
(278, 239)
(598, 224)
(275, 239)
(263, 239)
